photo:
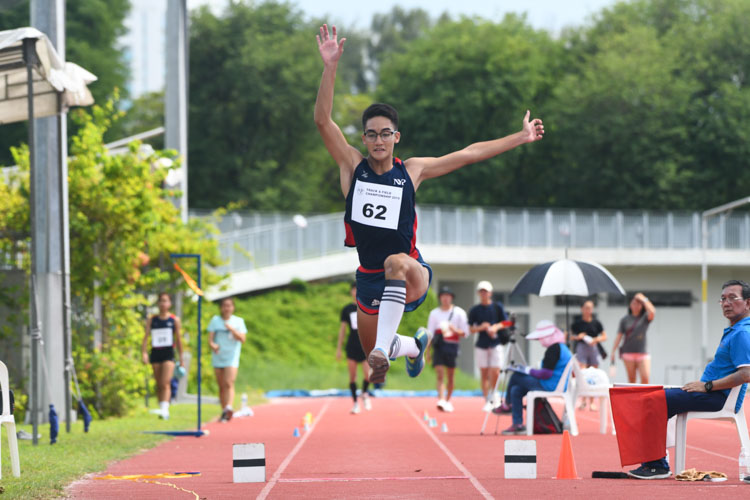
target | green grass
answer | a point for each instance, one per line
(291, 342)
(46, 469)
(291, 345)
(283, 376)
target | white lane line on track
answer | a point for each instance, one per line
(276, 475)
(689, 446)
(474, 481)
(733, 459)
(359, 479)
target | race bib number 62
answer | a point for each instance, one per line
(377, 204)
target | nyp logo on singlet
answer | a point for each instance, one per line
(399, 182)
(377, 205)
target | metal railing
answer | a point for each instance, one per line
(271, 239)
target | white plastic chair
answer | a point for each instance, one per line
(9, 422)
(561, 391)
(601, 392)
(726, 413)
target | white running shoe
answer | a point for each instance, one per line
(368, 404)
(355, 409)
(447, 406)
(488, 406)
(441, 404)
(495, 399)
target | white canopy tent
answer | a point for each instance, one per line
(56, 85)
(36, 83)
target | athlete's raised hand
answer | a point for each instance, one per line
(533, 129)
(330, 48)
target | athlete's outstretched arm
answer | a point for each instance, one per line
(427, 168)
(345, 156)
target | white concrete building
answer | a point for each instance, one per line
(144, 46)
(658, 254)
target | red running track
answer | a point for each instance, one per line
(390, 452)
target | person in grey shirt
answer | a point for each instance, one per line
(632, 335)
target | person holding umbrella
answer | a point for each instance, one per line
(633, 327)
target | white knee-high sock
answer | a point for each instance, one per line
(392, 305)
(403, 346)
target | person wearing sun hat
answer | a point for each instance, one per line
(525, 379)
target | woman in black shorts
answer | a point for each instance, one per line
(355, 355)
(163, 330)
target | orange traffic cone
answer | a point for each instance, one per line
(566, 467)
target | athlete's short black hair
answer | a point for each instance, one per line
(380, 109)
(745, 287)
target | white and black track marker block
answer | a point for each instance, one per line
(249, 463)
(520, 459)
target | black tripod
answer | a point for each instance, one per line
(513, 356)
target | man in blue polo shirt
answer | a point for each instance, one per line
(729, 368)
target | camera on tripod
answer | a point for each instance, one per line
(510, 326)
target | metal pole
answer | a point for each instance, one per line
(49, 150)
(65, 264)
(200, 301)
(175, 98)
(704, 266)
(28, 55)
(196, 256)
(704, 289)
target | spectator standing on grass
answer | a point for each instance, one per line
(588, 334)
(486, 319)
(226, 333)
(632, 334)
(448, 324)
(163, 330)
(355, 355)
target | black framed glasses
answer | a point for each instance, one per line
(386, 135)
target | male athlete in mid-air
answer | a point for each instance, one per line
(380, 215)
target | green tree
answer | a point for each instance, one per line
(392, 31)
(618, 130)
(92, 29)
(468, 81)
(254, 74)
(123, 227)
(145, 113)
(651, 112)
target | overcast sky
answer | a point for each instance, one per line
(548, 14)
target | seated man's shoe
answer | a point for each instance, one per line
(649, 472)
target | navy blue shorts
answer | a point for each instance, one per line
(370, 286)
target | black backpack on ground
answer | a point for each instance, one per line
(545, 418)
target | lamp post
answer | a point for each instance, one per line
(704, 267)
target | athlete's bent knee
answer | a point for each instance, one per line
(396, 266)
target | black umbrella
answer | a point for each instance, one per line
(567, 277)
